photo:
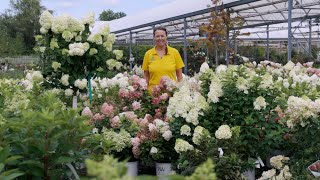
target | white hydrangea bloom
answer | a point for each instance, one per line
(78, 38)
(104, 30)
(289, 66)
(243, 85)
(108, 46)
(300, 109)
(185, 130)
(111, 38)
(27, 84)
(42, 49)
(277, 161)
(89, 19)
(223, 132)
(68, 92)
(93, 51)
(81, 84)
(270, 174)
(43, 30)
(221, 68)
(95, 38)
(284, 174)
(111, 63)
(60, 23)
(182, 146)
(75, 26)
(187, 104)
(67, 36)
(46, 20)
(118, 53)
(204, 67)
(267, 82)
(259, 103)
(65, 79)
(55, 65)
(37, 76)
(192, 117)
(215, 90)
(153, 150)
(286, 83)
(77, 49)
(197, 135)
(167, 135)
(54, 44)
(120, 140)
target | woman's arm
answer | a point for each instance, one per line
(179, 74)
(146, 76)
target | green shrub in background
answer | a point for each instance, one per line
(46, 134)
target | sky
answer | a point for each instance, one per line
(79, 8)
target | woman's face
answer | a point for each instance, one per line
(160, 38)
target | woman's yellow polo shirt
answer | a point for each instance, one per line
(159, 67)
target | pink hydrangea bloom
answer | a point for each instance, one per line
(164, 96)
(143, 84)
(131, 115)
(148, 117)
(308, 64)
(152, 127)
(86, 112)
(107, 109)
(98, 117)
(311, 70)
(156, 100)
(135, 141)
(136, 151)
(123, 92)
(144, 122)
(125, 108)
(136, 105)
(115, 122)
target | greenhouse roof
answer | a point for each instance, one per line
(258, 14)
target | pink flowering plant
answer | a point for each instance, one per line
(120, 109)
(157, 142)
(156, 137)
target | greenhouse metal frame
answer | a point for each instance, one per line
(298, 18)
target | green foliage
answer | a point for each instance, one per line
(5, 160)
(109, 15)
(204, 172)
(10, 46)
(108, 168)
(22, 23)
(47, 135)
(303, 138)
(165, 150)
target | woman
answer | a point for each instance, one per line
(161, 60)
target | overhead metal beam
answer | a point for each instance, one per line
(289, 30)
(278, 21)
(203, 11)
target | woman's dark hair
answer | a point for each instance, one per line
(163, 29)
(160, 28)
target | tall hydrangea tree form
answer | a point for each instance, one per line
(72, 54)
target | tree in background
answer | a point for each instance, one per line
(109, 15)
(22, 20)
(214, 32)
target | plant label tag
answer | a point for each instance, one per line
(314, 168)
(220, 152)
(257, 163)
(260, 161)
